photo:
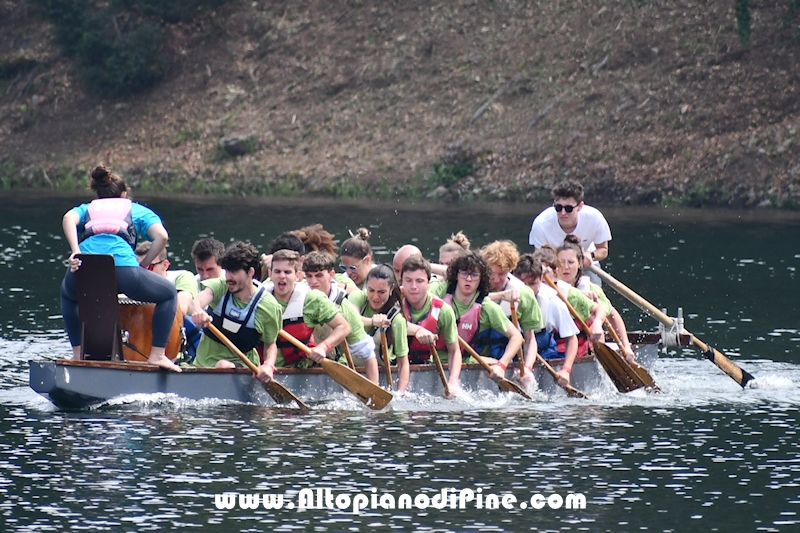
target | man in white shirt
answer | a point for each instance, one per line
(569, 215)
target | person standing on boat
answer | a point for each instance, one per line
(569, 215)
(111, 224)
(303, 309)
(430, 320)
(379, 305)
(319, 270)
(356, 260)
(558, 323)
(481, 322)
(570, 259)
(206, 254)
(502, 257)
(241, 308)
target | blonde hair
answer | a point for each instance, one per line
(457, 242)
(502, 254)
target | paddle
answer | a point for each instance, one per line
(641, 371)
(621, 374)
(440, 369)
(346, 350)
(504, 384)
(520, 355)
(733, 370)
(571, 391)
(278, 392)
(370, 394)
(386, 363)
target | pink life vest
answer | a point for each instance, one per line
(469, 322)
(111, 216)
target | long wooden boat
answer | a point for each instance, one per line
(74, 384)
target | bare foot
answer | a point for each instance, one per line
(164, 362)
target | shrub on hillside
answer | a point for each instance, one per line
(118, 47)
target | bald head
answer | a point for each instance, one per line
(401, 255)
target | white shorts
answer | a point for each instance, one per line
(363, 350)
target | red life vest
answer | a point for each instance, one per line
(583, 341)
(294, 324)
(417, 352)
(468, 323)
(112, 216)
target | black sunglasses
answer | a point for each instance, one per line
(567, 208)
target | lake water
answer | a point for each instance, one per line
(703, 456)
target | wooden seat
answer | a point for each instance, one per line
(96, 281)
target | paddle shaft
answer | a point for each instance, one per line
(733, 370)
(346, 350)
(370, 394)
(386, 363)
(633, 379)
(505, 385)
(440, 369)
(278, 388)
(571, 391)
(520, 353)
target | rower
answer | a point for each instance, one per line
(187, 288)
(241, 309)
(558, 323)
(379, 305)
(319, 270)
(400, 256)
(316, 238)
(456, 244)
(569, 214)
(502, 257)
(481, 322)
(356, 257)
(570, 258)
(303, 309)
(430, 320)
(206, 254)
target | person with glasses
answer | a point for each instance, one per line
(569, 215)
(112, 224)
(318, 269)
(481, 322)
(356, 260)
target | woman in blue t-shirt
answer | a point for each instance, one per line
(111, 225)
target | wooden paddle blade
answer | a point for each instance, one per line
(440, 370)
(644, 377)
(738, 374)
(572, 392)
(370, 394)
(617, 369)
(509, 386)
(282, 395)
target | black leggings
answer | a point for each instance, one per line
(137, 283)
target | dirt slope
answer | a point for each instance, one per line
(645, 103)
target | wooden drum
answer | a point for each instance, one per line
(137, 319)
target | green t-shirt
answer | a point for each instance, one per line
(344, 280)
(528, 311)
(445, 326)
(582, 304)
(399, 348)
(184, 281)
(492, 316)
(602, 299)
(317, 311)
(267, 322)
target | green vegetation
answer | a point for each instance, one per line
(118, 48)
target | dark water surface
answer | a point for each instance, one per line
(703, 456)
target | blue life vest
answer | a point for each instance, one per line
(238, 324)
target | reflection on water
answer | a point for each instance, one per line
(703, 456)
